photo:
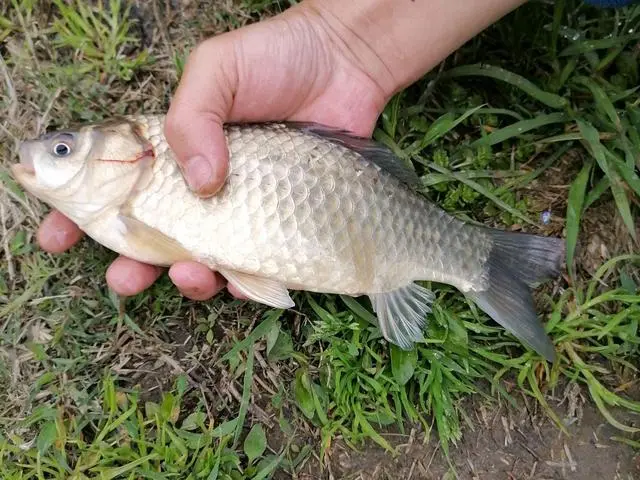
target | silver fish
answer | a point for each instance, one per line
(304, 207)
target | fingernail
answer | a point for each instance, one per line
(199, 173)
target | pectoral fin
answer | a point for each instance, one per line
(150, 245)
(260, 289)
(401, 314)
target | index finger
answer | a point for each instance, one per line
(58, 233)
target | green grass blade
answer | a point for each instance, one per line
(390, 114)
(246, 396)
(567, 71)
(625, 94)
(587, 46)
(443, 125)
(358, 309)
(563, 137)
(558, 10)
(601, 99)
(596, 192)
(599, 152)
(627, 441)
(592, 138)
(9, 183)
(480, 189)
(574, 212)
(622, 202)
(550, 99)
(518, 128)
(626, 171)
(258, 332)
(371, 432)
(110, 473)
(522, 180)
(479, 111)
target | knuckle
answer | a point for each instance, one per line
(202, 51)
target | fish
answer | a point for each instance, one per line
(304, 207)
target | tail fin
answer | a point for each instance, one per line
(517, 262)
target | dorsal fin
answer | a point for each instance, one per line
(367, 147)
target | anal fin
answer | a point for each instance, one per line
(260, 289)
(401, 314)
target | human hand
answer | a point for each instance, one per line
(291, 67)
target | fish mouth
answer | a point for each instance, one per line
(23, 169)
(25, 166)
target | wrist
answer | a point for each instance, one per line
(396, 42)
(351, 29)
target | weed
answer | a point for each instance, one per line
(130, 438)
(169, 388)
(99, 35)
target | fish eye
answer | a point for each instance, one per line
(62, 144)
(61, 149)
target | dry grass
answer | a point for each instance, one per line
(74, 355)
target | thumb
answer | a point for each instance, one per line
(200, 106)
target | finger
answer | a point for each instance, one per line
(195, 281)
(129, 277)
(57, 233)
(235, 292)
(200, 105)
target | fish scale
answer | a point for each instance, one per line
(304, 207)
(324, 211)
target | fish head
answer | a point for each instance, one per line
(83, 171)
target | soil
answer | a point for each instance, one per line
(603, 235)
(508, 444)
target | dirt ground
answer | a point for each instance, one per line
(504, 444)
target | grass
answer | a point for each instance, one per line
(536, 118)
